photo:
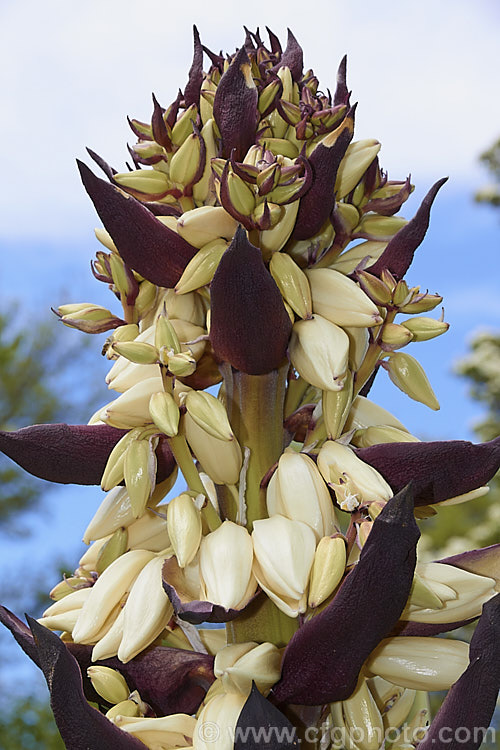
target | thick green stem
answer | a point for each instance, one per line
(255, 405)
(184, 460)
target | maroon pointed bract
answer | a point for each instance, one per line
(441, 469)
(235, 107)
(158, 253)
(322, 662)
(250, 327)
(193, 86)
(262, 725)
(317, 204)
(467, 710)
(342, 93)
(81, 726)
(71, 454)
(398, 254)
(160, 132)
(292, 58)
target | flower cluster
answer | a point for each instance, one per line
(258, 264)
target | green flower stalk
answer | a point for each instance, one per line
(257, 260)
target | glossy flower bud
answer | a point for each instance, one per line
(226, 556)
(319, 352)
(239, 664)
(184, 528)
(297, 491)
(284, 553)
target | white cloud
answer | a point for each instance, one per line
(425, 74)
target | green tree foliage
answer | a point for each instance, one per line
(491, 159)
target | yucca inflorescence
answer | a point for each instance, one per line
(258, 267)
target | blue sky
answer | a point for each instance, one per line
(426, 77)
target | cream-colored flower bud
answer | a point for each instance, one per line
(150, 531)
(319, 352)
(354, 481)
(220, 459)
(107, 592)
(137, 352)
(182, 364)
(74, 600)
(394, 336)
(274, 239)
(201, 268)
(110, 684)
(297, 491)
(357, 159)
(192, 337)
(217, 722)
(359, 340)
(366, 413)
(184, 528)
(125, 374)
(165, 335)
(241, 663)
(147, 611)
(336, 406)
(419, 663)
(147, 181)
(381, 434)
(385, 693)
(338, 299)
(292, 283)
(183, 165)
(89, 558)
(424, 329)
(376, 289)
(409, 376)
(107, 645)
(284, 553)
(64, 621)
(226, 556)
(327, 569)
(460, 595)
(367, 252)
(115, 546)
(69, 585)
(124, 708)
(183, 306)
(114, 512)
(131, 409)
(209, 414)
(173, 731)
(205, 224)
(139, 472)
(397, 714)
(362, 713)
(165, 413)
(378, 227)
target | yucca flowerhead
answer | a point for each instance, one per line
(257, 258)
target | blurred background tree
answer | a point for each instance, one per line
(490, 193)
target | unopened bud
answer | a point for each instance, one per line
(184, 528)
(201, 268)
(124, 708)
(327, 569)
(292, 283)
(362, 715)
(205, 224)
(273, 240)
(424, 329)
(110, 684)
(147, 181)
(220, 459)
(165, 335)
(374, 287)
(421, 303)
(185, 163)
(358, 157)
(135, 351)
(394, 336)
(184, 125)
(165, 413)
(319, 352)
(209, 414)
(226, 556)
(381, 434)
(336, 406)
(340, 300)
(182, 364)
(379, 228)
(115, 546)
(139, 472)
(409, 376)
(240, 664)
